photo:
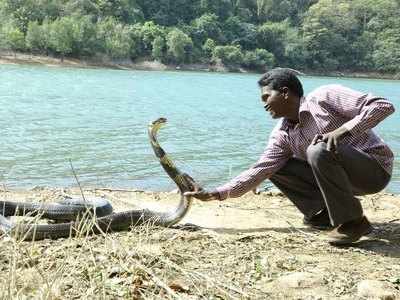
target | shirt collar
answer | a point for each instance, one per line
(303, 107)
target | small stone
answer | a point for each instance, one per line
(375, 289)
(300, 280)
(114, 272)
(178, 286)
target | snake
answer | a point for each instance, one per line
(95, 215)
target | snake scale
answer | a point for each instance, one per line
(96, 214)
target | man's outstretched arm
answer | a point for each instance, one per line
(274, 157)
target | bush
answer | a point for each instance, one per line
(179, 46)
(259, 59)
(229, 55)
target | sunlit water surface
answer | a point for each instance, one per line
(97, 120)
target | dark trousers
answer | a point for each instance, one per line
(331, 180)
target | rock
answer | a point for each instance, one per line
(300, 280)
(375, 289)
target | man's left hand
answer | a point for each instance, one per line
(331, 139)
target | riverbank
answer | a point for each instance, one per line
(253, 247)
(146, 65)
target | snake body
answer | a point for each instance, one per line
(97, 213)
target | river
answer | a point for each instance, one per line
(97, 120)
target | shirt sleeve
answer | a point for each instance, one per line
(365, 111)
(273, 158)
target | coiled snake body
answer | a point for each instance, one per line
(103, 218)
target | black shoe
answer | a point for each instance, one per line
(319, 221)
(349, 232)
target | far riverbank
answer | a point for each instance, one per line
(147, 65)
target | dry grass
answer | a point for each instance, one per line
(145, 263)
(233, 261)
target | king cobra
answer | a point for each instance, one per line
(101, 218)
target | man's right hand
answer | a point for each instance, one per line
(203, 195)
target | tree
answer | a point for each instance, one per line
(239, 32)
(62, 36)
(323, 35)
(204, 27)
(279, 10)
(209, 47)
(179, 46)
(273, 37)
(329, 30)
(25, 11)
(158, 51)
(13, 38)
(386, 56)
(222, 8)
(170, 12)
(126, 11)
(229, 55)
(115, 38)
(37, 38)
(295, 52)
(259, 59)
(85, 40)
(377, 48)
(147, 33)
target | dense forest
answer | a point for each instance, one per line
(323, 36)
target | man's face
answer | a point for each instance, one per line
(273, 102)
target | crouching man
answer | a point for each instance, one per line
(321, 155)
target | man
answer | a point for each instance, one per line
(321, 154)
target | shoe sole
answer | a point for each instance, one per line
(349, 241)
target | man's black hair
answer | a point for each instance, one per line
(282, 77)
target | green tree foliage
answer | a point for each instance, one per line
(25, 11)
(242, 33)
(179, 46)
(324, 35)
(228, 55)
(328, 26)
(206, 27)
(147, 33)
(273, 37)
(37, 37)
(221, 8)
(208, 48)
(170, 12)
(279, 10)
(12, 38)
(127, 11)
(85, 40)
(379, 44)
(259, 59)
(115, 38)
(158, 51)
(386, 56)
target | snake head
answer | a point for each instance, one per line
(159, 121)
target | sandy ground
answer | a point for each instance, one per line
(253, 247)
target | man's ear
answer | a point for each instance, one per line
(285, 92)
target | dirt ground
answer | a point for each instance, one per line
(253, 247)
